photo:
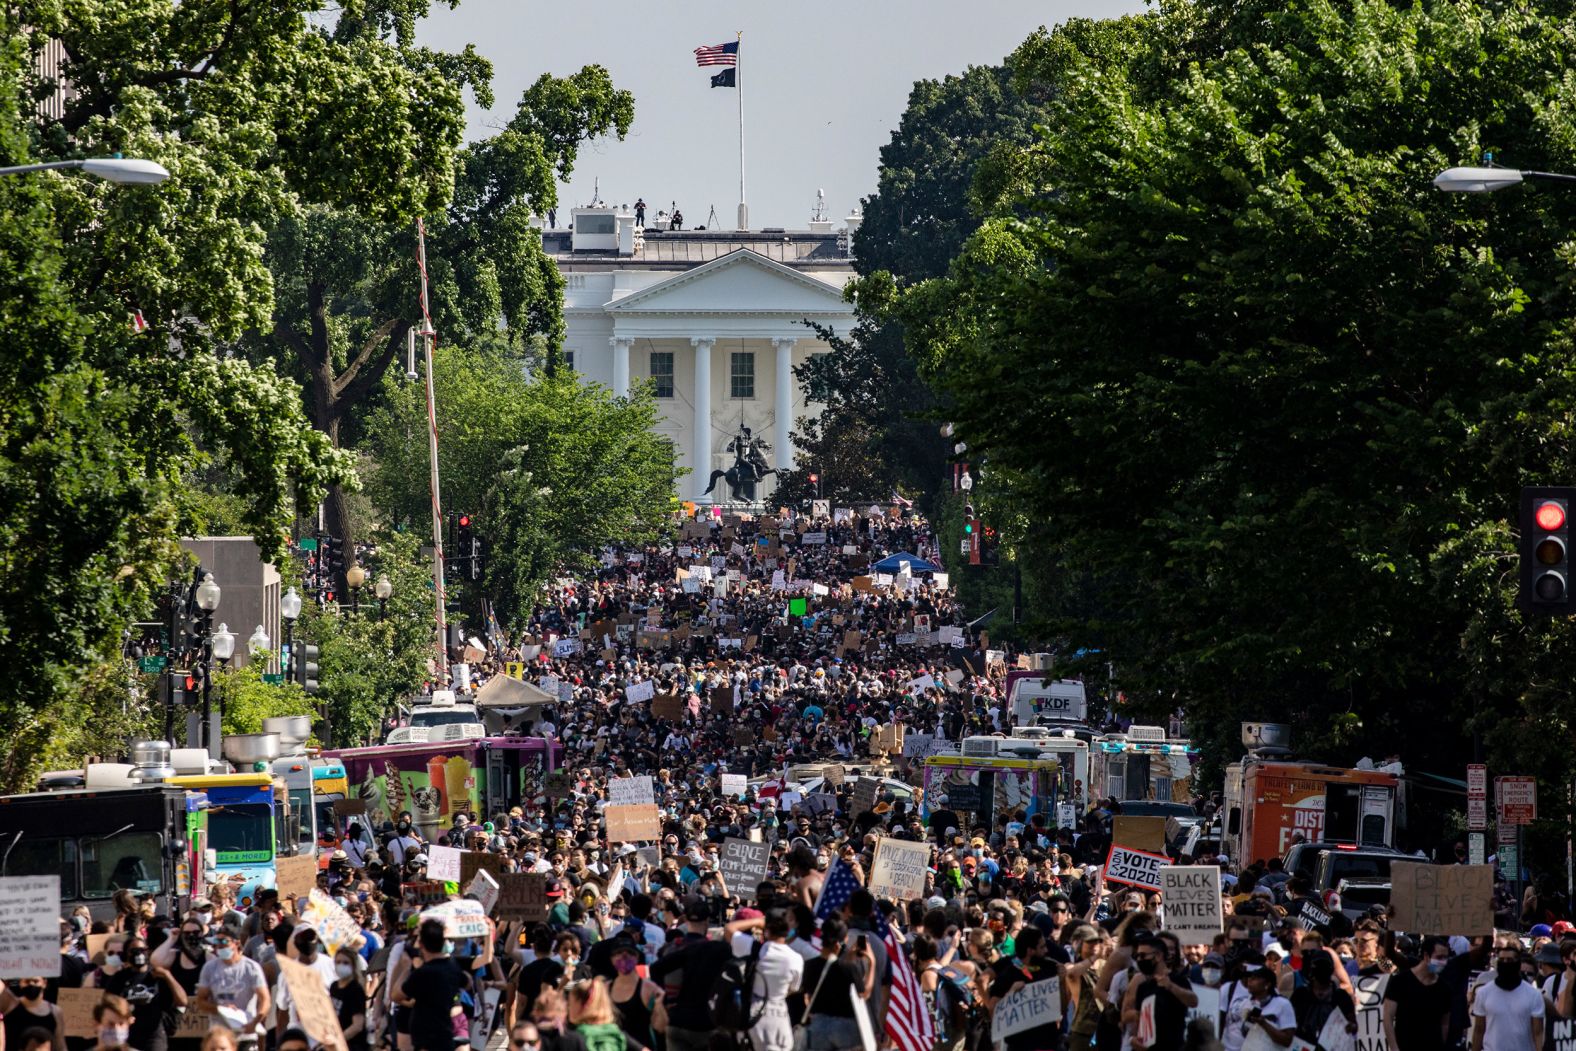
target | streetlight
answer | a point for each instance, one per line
(223, 643)
(1488, 180)
(355, 576)
(208, 600)
(259, 642)
(289, 609)
(208, 594)
(383, 589)
(126, 171)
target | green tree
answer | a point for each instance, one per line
(553, 469)
(1270, 389)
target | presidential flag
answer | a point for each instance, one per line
(718, 55)
(725, 79)
(908, 1021)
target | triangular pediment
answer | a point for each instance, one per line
(741, 282)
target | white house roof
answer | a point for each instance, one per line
(743, 282)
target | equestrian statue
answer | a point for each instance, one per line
(749, 466)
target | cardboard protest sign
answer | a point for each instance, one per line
(1190, 895)
(30, 926)
(1036, 1004)
(1442, 899)
(296, 876)
(349, 807)
(735, 784)
(631, 791)
(627, 824)
(721, 698)
(427, 892)
(1309, 915)
(864, 797)
(484, 888)
(669, 706)
(443, 864)
(821, 803)
(522, 896)
(899, 869)
(76, 1007)
(558, 784)
(743, 865)
(474, 861)
(461, 919)
(1136, 868)
(1141, 833)
(312, 1004)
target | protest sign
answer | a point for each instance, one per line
(461, 919)
(640, 691)
(917, 746)
(427, 892)
(1309, 916)
(349, 807)
(474, 861)
(631, 791)
(1036, 1004)
(1141, 833)
(735, 784)
(295, 876)
(484, 888)
(1562, 1032)
(333, 924)
(443, 864)
(558, 784)
(898, 871)
(864, 797)
(833, 774)
(627, 824)
(1136, 868)
(821, 803)
(1190, 895)
(721, 698)
(743, 865)
(1442, 899)
(669, 706)
(1369, 996)
(309, 996)
(1207, 1010)
(522, 896)
(30, 926)
(76, 1008)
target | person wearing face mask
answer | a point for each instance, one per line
(234, 988)
(1259, 1008)
(404, 845)
(308, 952)
(109, 962)
(112, 1022)
(25, 1008)
(1507, 1013)
(1028, 963)
(1317, 999)
(431, 990)
(638, 1002)
(1155, 1005)
(550, 1013)
(153, 994)
(348, 994)
(1417, 1003)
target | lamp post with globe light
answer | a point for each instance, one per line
(383, 589)
(289, 609)
(208, 595)
(221, 646)
(355, 577)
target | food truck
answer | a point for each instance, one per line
(1268, 801)
(986, 786)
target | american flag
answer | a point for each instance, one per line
(897, 498)
(718, 55)
(908, 1020)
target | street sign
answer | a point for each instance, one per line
(1516, 799)
(308, 543)
(274, 680)
(152, 665)
(1477, 797)
(1509, 863)
(1477, 815)
(1475, 848)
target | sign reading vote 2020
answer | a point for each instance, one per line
(1136, 868)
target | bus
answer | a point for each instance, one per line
(245, 832)
(984, 787)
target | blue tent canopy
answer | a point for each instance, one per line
(892, 563)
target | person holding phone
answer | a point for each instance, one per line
(1262, 1008)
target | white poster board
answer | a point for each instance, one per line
(631, 791)
(30, 927)
(443, 864)
(899, 869)
(735, 784)
(1190, 894)
(1036, 1004)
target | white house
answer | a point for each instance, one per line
(715, 321)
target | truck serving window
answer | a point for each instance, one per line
(45, 857)
(241, 833)
(129, 861)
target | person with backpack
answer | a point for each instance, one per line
(778, 973)
(591, 1013)
(828, 1011)
(947, 995)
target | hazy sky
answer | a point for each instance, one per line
(824, 86)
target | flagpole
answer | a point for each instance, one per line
(738, 82)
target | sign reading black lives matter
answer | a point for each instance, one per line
(1190, 895)
(1137, 868)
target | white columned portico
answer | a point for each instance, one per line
(783, 412)
(621, 345)
(702, 402)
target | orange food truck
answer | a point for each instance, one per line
(1268, 801)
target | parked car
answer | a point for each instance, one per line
(1155, 808)
(1348, 862)
(1303, 858)
(1361, 893)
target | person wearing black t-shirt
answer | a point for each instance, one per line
(542, 971)
(1417, 1003)
(153, 994)
(348, 994)
(1030, 962)
(1156, 1005)
(431, 990)
(824, 991)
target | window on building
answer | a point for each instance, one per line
(662, 373)
(741, 374)
(595, 224)
(569, 360)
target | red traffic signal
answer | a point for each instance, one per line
(1550, 515)
(465, 521)
(1545, 550)
(815, 478)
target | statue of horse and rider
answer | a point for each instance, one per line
(749, 467)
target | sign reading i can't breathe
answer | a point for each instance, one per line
(1137, 868)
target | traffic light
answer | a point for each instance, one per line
(968, 519)
(1545, 548)
(333, 557)
(303, 665)
(990, 546)
(474, 563)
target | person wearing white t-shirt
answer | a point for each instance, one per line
(1262, 1008)
(309, 951)
(1507, 1014)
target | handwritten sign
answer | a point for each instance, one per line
(484, 888)
(1442, 899)
(76, 1005)
(743, 865)
(1036, 1004)
(443, 864)
(461, 919)
(899, 869)
(669, 706)
(296, 876)
(631, 791)
(1136, 868)
(627, 824)
(522, 896)
(640, 691)
(1141, 833)
(30, 927)
(474, 861)
(735, 784)
(332, 923)
(312, 1004)
(1190, 895)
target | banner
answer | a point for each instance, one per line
(1190, 895)
(1136, 868)
(1442, 899)
(899, 869)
